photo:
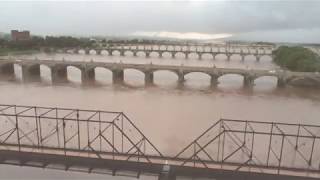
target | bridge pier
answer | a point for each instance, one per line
(87, 51)
(181, 78)
(281, 82)
(213, 56)
(242, 58)
(160, 54)
(200, 55)
(186, 55)
(148, 78)
(31, 73)
(87, 75)
(59, 74)
(248, 81)
(147, 54)
(214, 80)
(122, 53)
(76, 51)
(228, 57)
(98, 52)
(117, 76)
(173, 55)
(7, 69)
(258, 58)
(110, 52)
(134, 53)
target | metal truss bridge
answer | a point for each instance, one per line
(104, 142)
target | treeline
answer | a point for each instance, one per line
(142, 41)
(124, 41)
(297, 59)
(49, 41)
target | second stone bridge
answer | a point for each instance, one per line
(59, 73)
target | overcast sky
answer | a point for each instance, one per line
(288, 20)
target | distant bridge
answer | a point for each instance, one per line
(185, 50)
(105, 142)
(31, 71)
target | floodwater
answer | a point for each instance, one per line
(170, 116)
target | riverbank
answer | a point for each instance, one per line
(7, 51)
(297, 59)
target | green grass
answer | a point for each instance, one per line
(7, 51)
(297, 59)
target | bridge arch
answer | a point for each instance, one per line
(31, 72)
(198, 79)
(104, 52)
(83, 51)
(193, 55)
(165, 77)
(179, 48)
(91, 51)
(102, 74)
(197, 72)
(184, 48)
(221, 56)
(74, 73)
(134, 77)
(166, 54)
(46, 72)
(94, 51)
(171, 47)
(162, 47)
(232, 80)
(154, 47)
(76, 51)
(141, 53)
(193, 48)
(233, 74)
(266, 58)
(154, 53)
(128, 52)
(235, 56)
(116, 52)
(249, 57)
(180, 54)
(7, 69)
(266, 80)
(207, 55)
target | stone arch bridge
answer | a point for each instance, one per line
(174, 50)
(31, 71)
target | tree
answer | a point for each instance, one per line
(297, 59)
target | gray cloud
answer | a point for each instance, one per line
(121, 18)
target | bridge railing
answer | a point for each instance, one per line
(267, 147)
(73, 132)
(236, 145)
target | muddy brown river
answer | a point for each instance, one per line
(169, 115)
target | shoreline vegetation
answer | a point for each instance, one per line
(35, 44)
(299, 59)
(8, 52)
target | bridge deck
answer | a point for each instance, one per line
(127, 168)
(108, 142)
(154, 67)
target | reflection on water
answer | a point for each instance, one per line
(169, 115)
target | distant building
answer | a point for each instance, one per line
(20, 35)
